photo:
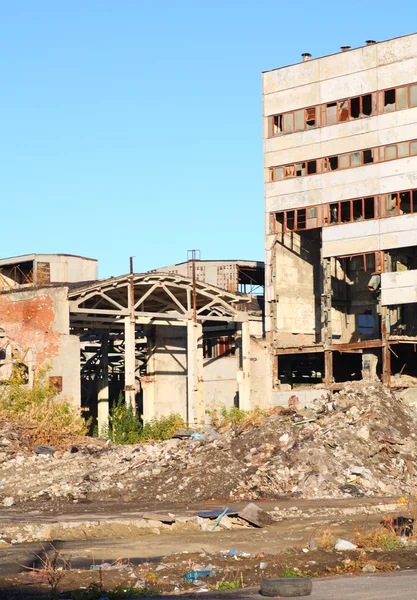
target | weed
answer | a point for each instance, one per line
(233, 584)
(288, 572)
(54, 567)
(124, 426)
(379, 537)
(93, 592)
(38, 411)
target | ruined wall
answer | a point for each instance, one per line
(36, 324)
(297, 264)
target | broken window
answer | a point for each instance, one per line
(343, 111)
(331, 113)
(355, 108)
(357, 210)
(367, 105)
(310, 117)
(290, 220)
(301, 218)
(389, 100)
(414, 200)
(369, 208)
(345, 216)
(355, 159)
(311, 167)
(334, 213)
(405, 202)
(277, 125)
(300, 170)
(333, 163)
(367, 157)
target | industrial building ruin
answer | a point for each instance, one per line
(170, 342)
(340, 156)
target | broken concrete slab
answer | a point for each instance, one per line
(163, 518)
(255, 515)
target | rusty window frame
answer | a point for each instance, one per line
(326, 211)
(378, 152)
(321, 110)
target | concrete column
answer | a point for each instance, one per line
(103, 387)
(148, 382)
(244, 378)
(326, 319)
(130, 362)
(195, 397)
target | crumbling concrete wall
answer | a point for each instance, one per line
(36, 324)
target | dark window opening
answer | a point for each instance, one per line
(311, 167)
(370, 208)
(333, 163)
(405, 202)
(301, 218)
(347, 366)
(389, 100)
(367, 157)
(367, 105)
(345, 212)
(301, 368)
(414, 198)
(290, 220)
(277, 124)
(355, 108)
(334, 213)
(357, 210)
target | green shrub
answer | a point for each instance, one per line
(124, 425)
(162, 428)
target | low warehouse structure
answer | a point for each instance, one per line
(168, 342)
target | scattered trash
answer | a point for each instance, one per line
(194, 575)
(350, 489)
(344, 545)
(369, 568)
(234, 552)
(211, 514)
(402, 526)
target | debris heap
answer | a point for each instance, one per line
(361, 442)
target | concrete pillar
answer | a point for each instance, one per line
(148, 382)
(103, 387)
(326, 319)
(130, 362)
(244, 377)
(195, 397)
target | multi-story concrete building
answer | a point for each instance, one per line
(340, 150)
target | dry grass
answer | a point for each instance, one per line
(379, 537)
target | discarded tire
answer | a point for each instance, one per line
(287, 587)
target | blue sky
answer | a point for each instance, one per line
(133, 127)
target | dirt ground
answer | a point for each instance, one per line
(166, 576)
(158, 562)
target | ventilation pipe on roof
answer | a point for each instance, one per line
(370, 42)
(306, 56)
(344, 48)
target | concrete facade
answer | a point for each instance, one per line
(340, 158)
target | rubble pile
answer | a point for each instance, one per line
(362, 442)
